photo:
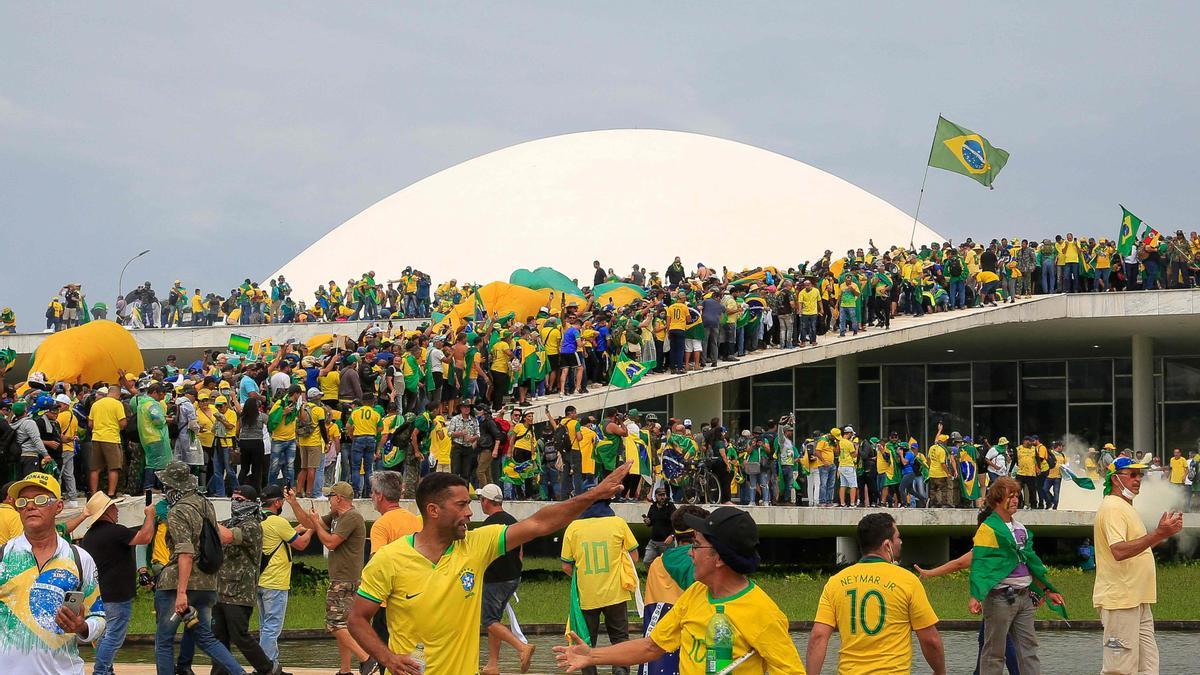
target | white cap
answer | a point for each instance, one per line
(314, 394)
(37, 376)
(848, 429)
(63, 399)
(491, 492)
(102, 390)
(687, 422)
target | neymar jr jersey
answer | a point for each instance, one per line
(30, 639)
(597, 547)
(875, 606)
(437, 604)
(758, 624)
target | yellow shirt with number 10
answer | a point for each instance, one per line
(597, 548)
(875, 606)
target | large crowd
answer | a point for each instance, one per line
(441, 411)
(910, 280)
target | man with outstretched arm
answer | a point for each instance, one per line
(431, 581)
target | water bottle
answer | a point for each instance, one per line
(419, 655)
(719, 643)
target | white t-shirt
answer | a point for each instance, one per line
(994, 456)
(280, 381)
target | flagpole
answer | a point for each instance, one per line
(920, 197)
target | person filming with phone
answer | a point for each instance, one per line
(50, 594)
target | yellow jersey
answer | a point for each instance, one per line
(106, 415)
(284, 431)
(392, 526)
(758, 624)
(875, 606)
(1027, 464)
(587, 450)
(364, 421)
(809, 299)
(846, 453)
(316, 412)
(937, 461)
(501, 354)
(277, 533)
(436, 604)
(1178, 470)
(597, 548)
(677, 316)
(328, 384)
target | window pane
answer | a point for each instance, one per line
(992, 422)
(771, 402)
(1043, 409)
(1181, 382)
(1123, 366)
(816, 387)
(1091, 424)
(1090, 380)
(868, 373)
(907, 422)
(808, 421)
(736, 394)
(1124, 412)
(903, 385)
(782, 376)
(657, 405)
(868, 409)
(995, 382)
(1043, 368)
(950, 404)
(1181, 427)
(736, 422)
(949, 371)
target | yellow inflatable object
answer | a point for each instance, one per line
(317, 341)
(89, 353)
(619, 297)
(500, 298)
(234, 317)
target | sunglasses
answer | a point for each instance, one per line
(1134, 474)
(40, 500)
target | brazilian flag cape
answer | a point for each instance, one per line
(968, 471)
(575, 619)
(412, 373)
(893, 476)
(996, 554)
(608, 449)
(517, 473)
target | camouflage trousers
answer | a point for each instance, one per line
(412, 475)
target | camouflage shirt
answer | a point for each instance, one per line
(237, 580)
(183, 536)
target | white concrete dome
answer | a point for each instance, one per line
(623, 197)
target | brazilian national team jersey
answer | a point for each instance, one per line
(758, 624)
(30, 639)
(875, 606)
(439, 604)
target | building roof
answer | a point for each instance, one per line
(624, 197)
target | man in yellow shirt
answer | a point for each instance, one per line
(808, 299)
(432, 580)
(598, 553)
(275, 581)
(106, 419)
(826, 446)
(1026, 473)
(1126, 579)
(678, 319)
(281, 422)
(876, 606)
(501, 369)
(723, 553)
(1179, 467)
(313, 419)
(847, 468)
(941, 478)
(364, 424)
(394, 521)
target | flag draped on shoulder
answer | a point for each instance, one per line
(995, 555)
(575, 620)
(968, 472)
(961, 150)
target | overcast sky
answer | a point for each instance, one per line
(226, 137)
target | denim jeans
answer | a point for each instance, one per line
(69, 490)
(958, 293)
(808, 328)
(283, 456)
(741, 340)
(550, 482)
(827, 476)
(676, 337)
(224, 474)
(847, 315)
(749, 487)
(1071, 277)
(1151, 279)
(785, 484)
(362, 455)
(272, 605)
(116, 619)
(1049, 276)
(164, 637)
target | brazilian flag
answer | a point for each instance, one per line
(627, 372)
(1130, 226)
(961, 150)
(968, 472)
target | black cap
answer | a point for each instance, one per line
(730, 526)
(246, 491)
(272, 492)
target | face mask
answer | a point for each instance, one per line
(1125, 492)
(244, 510)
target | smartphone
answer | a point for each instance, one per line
(73, 601)
(149, 496)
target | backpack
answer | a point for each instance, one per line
(1051, 460)
(209, 554)
(10, 452)
(954, 267)
(561, 439)
(305, 425)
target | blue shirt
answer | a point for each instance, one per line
(570, 341)
(602, 339)
(246, 386)
(710, 312)
(910, 460)
(310, 377)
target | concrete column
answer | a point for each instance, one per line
(847, 550)
(699, 405)
(1143, 395)
(847, 390)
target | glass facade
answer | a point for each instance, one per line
(1089, 400)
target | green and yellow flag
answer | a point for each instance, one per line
(961, 150)
(1134, 231)
(996, 554)
(626, 372)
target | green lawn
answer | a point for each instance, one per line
(544, 591)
